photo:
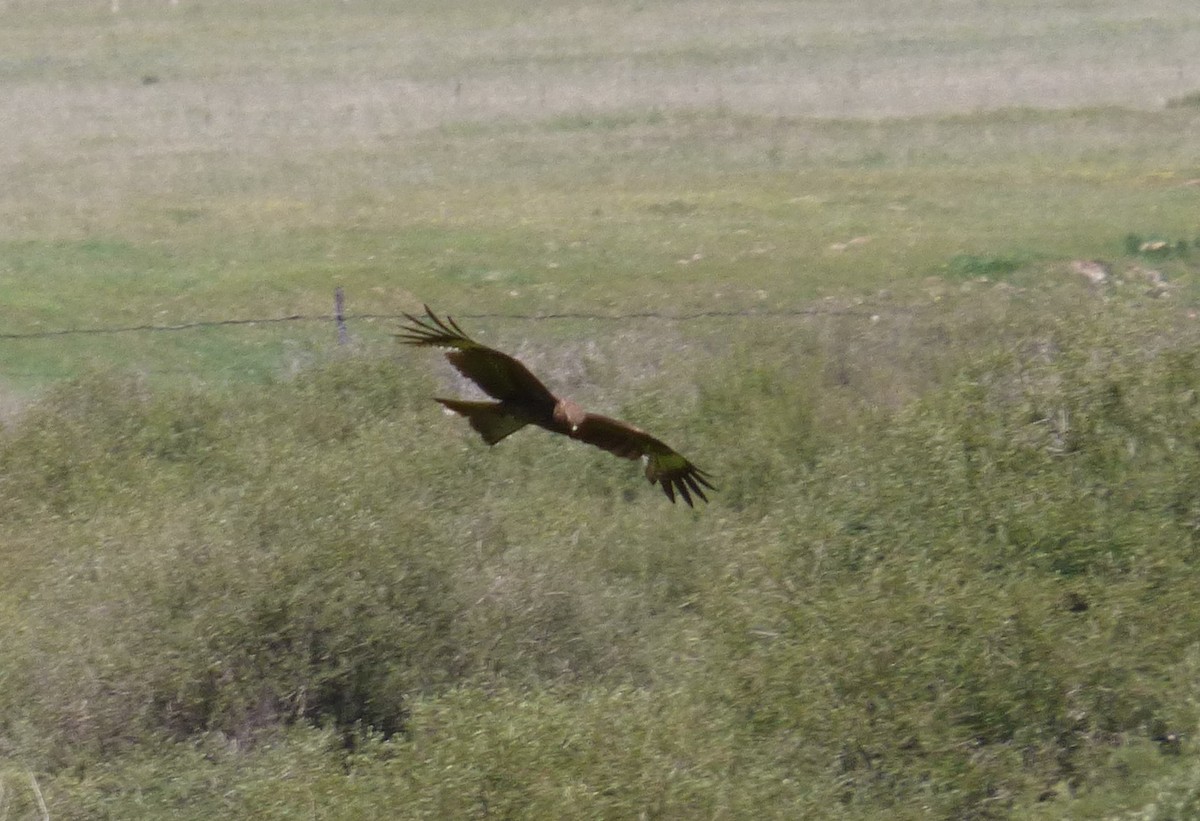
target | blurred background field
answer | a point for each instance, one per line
(916, 281)
(171, 163)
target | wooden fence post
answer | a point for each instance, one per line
(339, 314)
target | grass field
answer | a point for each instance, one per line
(831, 251)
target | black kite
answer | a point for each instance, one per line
(524, 400)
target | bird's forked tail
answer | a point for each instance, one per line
(491, 419)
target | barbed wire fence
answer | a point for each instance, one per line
(341, 320)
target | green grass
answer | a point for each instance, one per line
(949, 571)
(953, 607)
(557, 158)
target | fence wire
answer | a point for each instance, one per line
(859, 311)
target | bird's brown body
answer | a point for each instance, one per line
(522, 399)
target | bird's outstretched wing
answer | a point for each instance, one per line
(497, 374)
(524, 400)
(673, 473)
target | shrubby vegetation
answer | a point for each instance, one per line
(972, 597)
(949, 572)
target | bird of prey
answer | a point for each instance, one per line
(523, 400)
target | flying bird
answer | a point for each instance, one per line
(523, 400)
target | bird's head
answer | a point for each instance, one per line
(566, 411)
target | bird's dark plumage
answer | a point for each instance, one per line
(522, 400)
